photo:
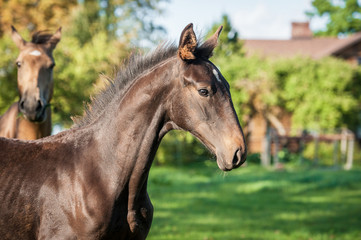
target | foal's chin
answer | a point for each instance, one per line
(223, 166)
(227, 167)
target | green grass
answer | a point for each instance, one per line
(201, 202)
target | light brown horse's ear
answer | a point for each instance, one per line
(187, 44)
(53, 41)
(209, 45)
(18, 40)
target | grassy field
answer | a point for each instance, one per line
(201, 202)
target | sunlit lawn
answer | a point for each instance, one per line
(201, 202)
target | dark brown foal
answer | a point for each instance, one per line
(90, 182)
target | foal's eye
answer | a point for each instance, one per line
(18, 64)
(203, 92)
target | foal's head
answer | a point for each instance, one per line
(35, 65)
(202, 103)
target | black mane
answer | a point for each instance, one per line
(130, 70)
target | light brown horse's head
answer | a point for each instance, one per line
(202, 104)
(35, 65)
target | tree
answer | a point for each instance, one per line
(127, 20)
(258, 95)
(97, 35)
(229, 42)
(8, 83)
(34, 15)
(344, 16)
(272, 87)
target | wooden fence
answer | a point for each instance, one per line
(343, 145)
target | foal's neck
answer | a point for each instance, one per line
(131, 129)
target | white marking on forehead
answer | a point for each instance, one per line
(216, 75)
(35, 53)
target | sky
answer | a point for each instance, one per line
(253, 19)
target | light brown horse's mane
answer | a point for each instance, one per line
(41, 37)
(128, 72)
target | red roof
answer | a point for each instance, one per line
(311, 47)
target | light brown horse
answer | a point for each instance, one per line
(30, 118)
(90, 182)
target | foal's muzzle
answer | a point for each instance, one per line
(227, 162)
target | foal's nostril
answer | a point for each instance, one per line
(237, 158)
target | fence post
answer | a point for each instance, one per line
(316, 138)
(343, 145)
(302, 145)
(265, 156)
(350, 148)
(335, 153)
(276, 147)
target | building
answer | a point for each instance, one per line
(303, 43)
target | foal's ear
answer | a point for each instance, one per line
(187, 44)
(17, 39)
(53, 41)
(208, 46)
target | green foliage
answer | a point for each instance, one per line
(229, 42)
(199, 202)
(96, 36)
(343, 16)
(8, 82)
(319, 93)
(77, 72)
(254, 158)
(179, 148)
(129, 20)
(285, 156)
(34, 15)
